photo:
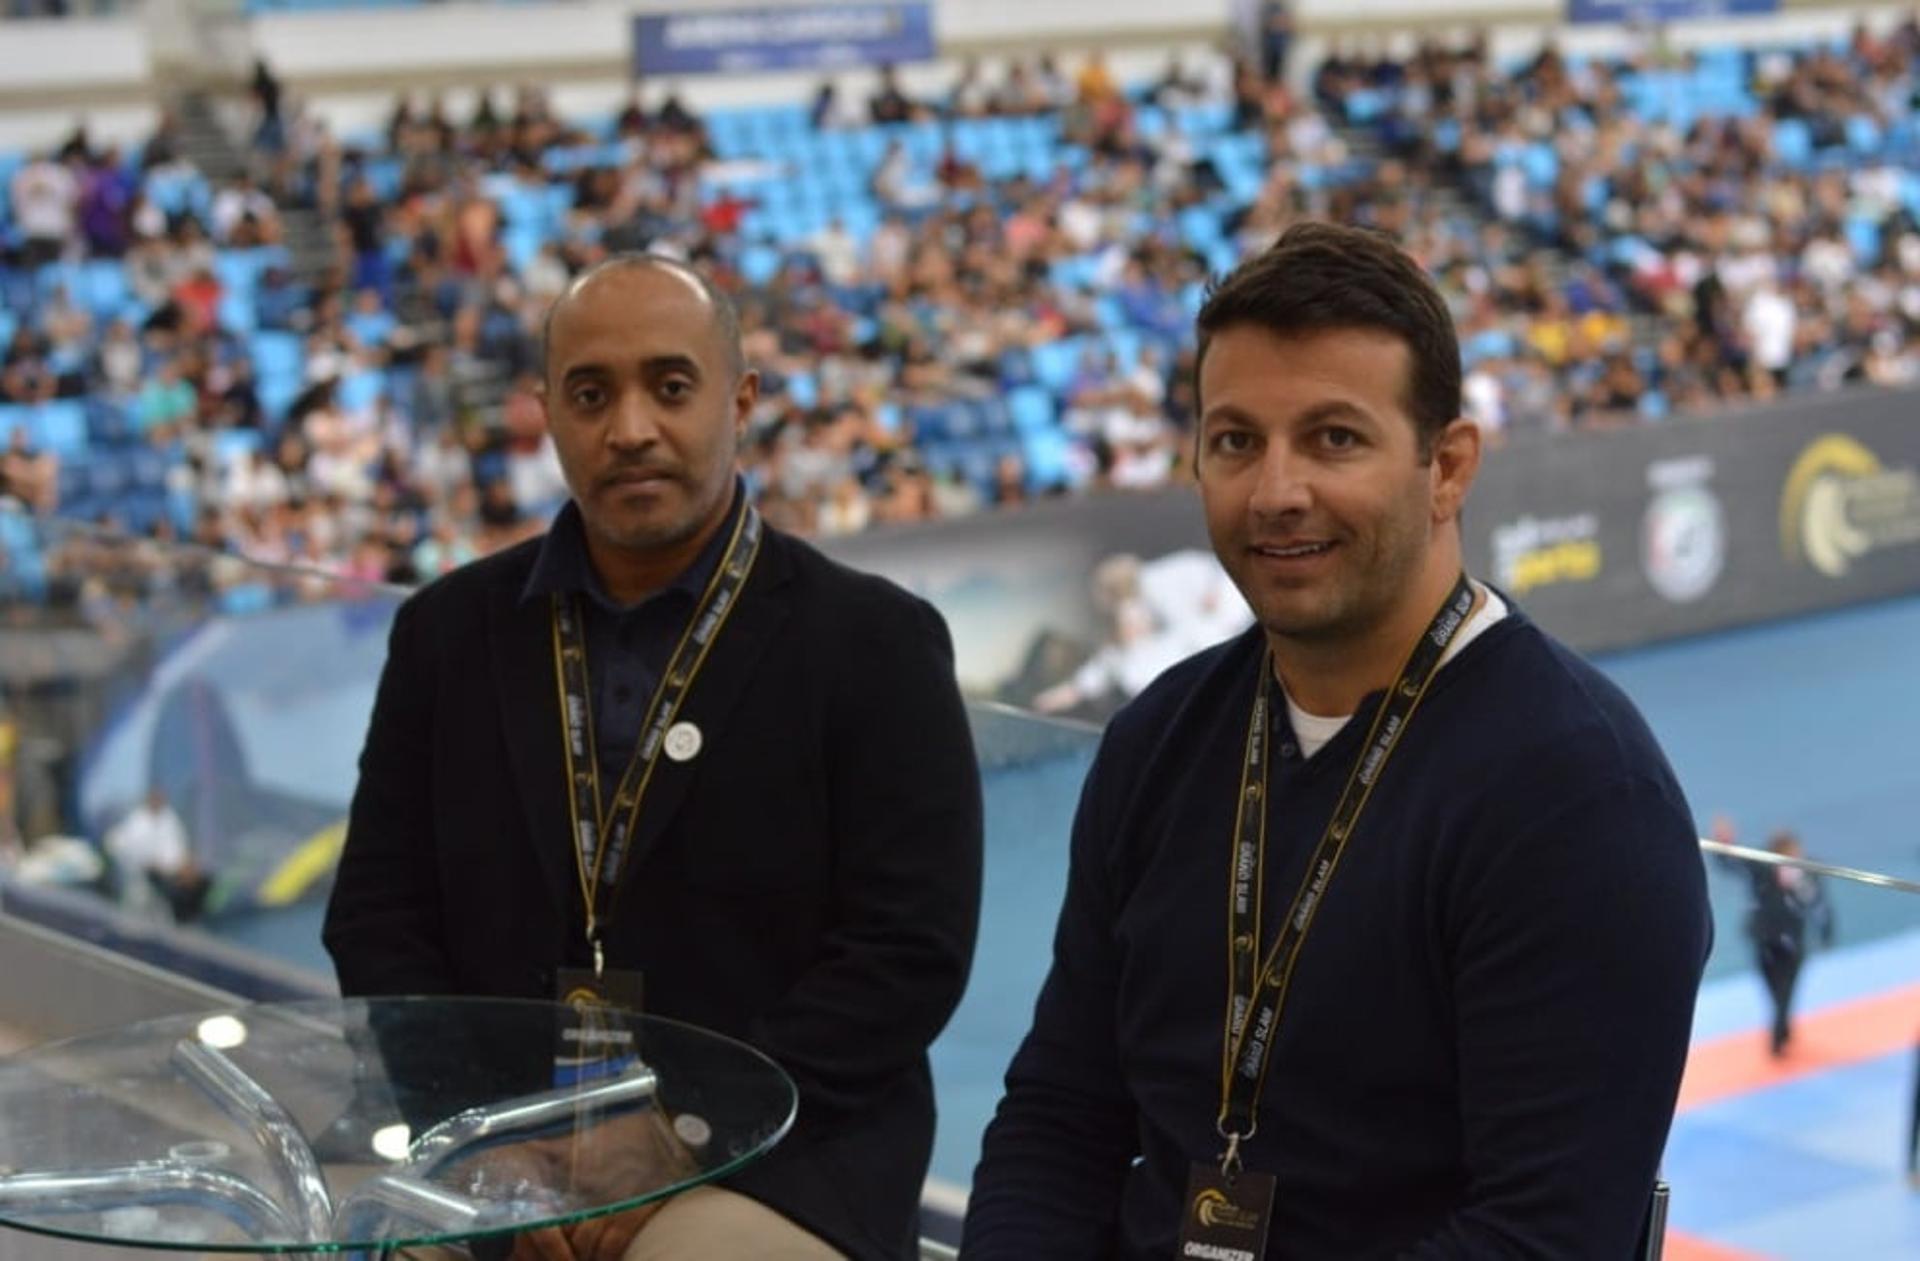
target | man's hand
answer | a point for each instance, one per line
(604, 1238)
(614, 1159)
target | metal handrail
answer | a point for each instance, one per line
(1771, 859)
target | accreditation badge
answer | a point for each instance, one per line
(1225, 1219)
(595, 1036)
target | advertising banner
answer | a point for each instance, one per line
(799, 37)
(1628, 537)
(1620, 12)
(1609, 539)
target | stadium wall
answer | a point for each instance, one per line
(349, 62)
(1611, 539)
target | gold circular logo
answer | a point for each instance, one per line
(1816, 527)
(1207, 1206)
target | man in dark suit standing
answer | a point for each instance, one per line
(767, 804)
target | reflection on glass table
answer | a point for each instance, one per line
(323, 1126)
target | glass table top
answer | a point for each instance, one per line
(332, 1125)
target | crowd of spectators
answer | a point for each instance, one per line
(946, 330)
(1681, 233)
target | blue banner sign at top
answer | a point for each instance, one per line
(799, 37)
(1624, 11)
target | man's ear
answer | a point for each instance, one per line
(745, 395)
(1455, 463)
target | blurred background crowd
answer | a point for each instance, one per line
(322, 349)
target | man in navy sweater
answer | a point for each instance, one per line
(1385, 919)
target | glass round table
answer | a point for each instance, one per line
(330, 1126)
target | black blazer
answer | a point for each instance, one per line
(809, 883)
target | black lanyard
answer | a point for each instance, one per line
(601, 837)
(1255, 999)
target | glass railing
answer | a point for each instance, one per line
(243, 690)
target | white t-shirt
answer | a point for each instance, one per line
(1313, 731)
(1769, 323)
(45, 197)
(149, 840)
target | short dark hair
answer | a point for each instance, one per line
(1320, 276)
(726, 316)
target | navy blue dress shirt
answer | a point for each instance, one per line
(627, 645)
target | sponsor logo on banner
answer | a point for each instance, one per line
(1683, 537)
(1841, 504)
(782, 37)
(1536, 552)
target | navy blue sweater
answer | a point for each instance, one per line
(1485, 1033)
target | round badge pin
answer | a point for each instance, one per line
(683, 742)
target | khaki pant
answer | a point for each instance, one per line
(714, 1224)
(704, 1224)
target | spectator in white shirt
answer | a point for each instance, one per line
(46, 197)
(1769, 322)
(152, 856)
(838, 254)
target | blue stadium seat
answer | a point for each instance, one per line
(1074, 272)
(1863, 236)
(1364, 105)
(522, 242)
(237, 271)
(60, 426)
(1200, 228)
(108, 475)
(1863, 136)
(803, 388)
(1032, 409)
(278, 354)
(1492, 343)
(993, 417)
(179, 192)
(372, 327)
(1202, 121)
(232, 445)
(147, 468)
(929, 423)
(104, 289)
(1541, 165)
(1793, 142)
(236, 312)
(277, 395)
(109, 424)
(962, 421)
(1047, 453)
(16, 532)
(759, 264)
(74, 481)
(976, 462)
(361, 391)
(1055, 363)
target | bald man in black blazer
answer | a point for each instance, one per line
(804, 873)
